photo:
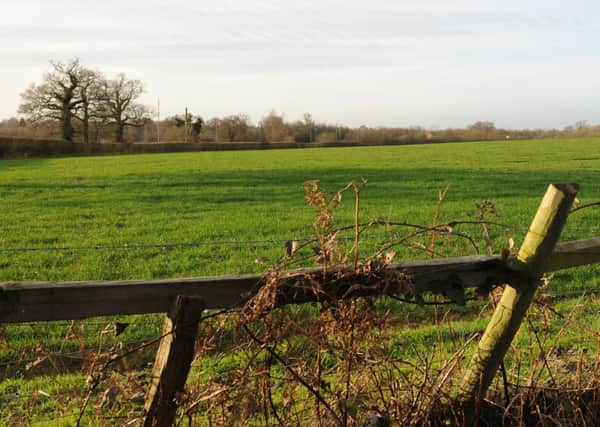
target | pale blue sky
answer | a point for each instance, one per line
(434, 63)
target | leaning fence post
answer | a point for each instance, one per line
(173, 361)
(529, 264)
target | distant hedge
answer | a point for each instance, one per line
(15, 148)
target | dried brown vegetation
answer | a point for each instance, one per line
(347, 359)
(337, 362)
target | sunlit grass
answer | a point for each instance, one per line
(241, 205)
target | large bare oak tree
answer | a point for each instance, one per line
(70, 91)
(89, 109)
(119, 104)
(57, 97)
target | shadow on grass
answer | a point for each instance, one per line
(418, 185)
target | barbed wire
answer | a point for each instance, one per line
(551, 295)
(84, 322)
(44, 421)
(135, 246)
(74, 353)
(29, 394)
(175, 245)
(157, 321)
(213, 243)
(581, 292)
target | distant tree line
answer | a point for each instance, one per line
(189, 127)
(274, 128)
(74, 102)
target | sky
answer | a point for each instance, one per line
(431, 63)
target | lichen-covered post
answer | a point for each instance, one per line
(518, 295)
(173, 361)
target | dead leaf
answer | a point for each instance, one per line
(291, 246)
(389, 257)
(120, 328)
(90, 381)
(34, 363)
(109, 397)
(138, 398)
(511, 243)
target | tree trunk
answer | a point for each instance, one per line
(96, 132)
(86, 125)
(67, 128)
(119, 132)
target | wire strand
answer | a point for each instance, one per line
(72, 353)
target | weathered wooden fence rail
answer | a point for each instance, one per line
(47, 301)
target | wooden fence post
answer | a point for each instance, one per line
(173, 361)
(518, 295)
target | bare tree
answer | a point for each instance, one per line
(119, 106)
(310, 126)
(57, 97)
(234, 128)
(90, 94)
(274, 128)
(482, 125)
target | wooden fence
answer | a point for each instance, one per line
(184, 299)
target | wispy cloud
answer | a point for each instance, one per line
(316, 46)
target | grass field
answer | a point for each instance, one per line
(238, 206)
(253, 196)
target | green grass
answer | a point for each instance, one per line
(256, 195)
(235, 203)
